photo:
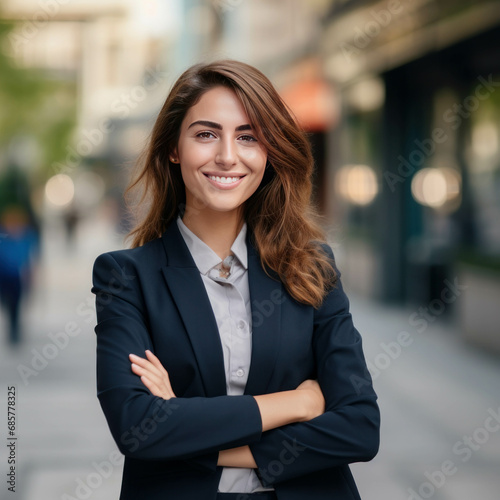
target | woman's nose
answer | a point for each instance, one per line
(227, 154)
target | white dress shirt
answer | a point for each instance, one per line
(226, 283)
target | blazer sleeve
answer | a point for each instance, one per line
(146, 426)
(348, 430)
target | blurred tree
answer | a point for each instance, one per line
(37, 107)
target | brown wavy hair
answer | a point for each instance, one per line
(283, 223)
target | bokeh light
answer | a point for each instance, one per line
(357, 184)
(436, 187)
(60, 190)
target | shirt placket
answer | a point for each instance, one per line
(234, 329)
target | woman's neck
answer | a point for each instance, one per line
(217, 229)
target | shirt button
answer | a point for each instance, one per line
(240, 372)
(241, 325)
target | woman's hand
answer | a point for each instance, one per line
(237, 457)
(287, 407)
(152, 374)
(314, 399)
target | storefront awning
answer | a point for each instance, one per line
(314, 104)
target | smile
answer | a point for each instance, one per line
(224, 180)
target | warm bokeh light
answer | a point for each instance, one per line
(357, 184)
(367, 95)
(435, 187)
(60, 190)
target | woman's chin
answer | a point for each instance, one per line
(216, 206)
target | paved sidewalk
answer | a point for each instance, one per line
(440, 407)
(436, 395)
(62, 434)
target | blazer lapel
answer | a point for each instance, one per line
(266, 295)
(189, 293)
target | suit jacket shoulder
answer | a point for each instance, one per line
(150, 253)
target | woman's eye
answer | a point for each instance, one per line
(205, 135)
(248, 138)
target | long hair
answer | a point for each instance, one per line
(282, 221)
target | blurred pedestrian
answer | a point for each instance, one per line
(71, 219)
(253, 382)
(18, 244)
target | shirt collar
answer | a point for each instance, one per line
(239, 246)
(204, 257)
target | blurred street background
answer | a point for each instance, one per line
(401, 101)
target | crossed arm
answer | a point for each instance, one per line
(233, 430)
(277, 409)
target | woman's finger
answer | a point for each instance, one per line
(147, 368)
(146, 364)
(139, 370)
(157, 388)
(159, 371)
(160, 382)
(154, 373)
(156, 362)
(153, 388)
(152, 361)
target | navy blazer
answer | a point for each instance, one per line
(153, 297)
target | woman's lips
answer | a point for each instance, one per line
(224, 182)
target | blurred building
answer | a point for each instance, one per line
(415, 162)
(399, 98)
(116, 53)
(107, 46)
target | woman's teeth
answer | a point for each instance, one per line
(224, 180)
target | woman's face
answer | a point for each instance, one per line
(221, 160)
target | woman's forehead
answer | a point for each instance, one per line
(220, 105)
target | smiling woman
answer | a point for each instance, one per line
(221, 160)
(226, 348)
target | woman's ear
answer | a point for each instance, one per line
(173, 157)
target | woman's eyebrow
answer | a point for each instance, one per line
(218, 126)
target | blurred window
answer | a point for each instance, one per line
(483, 169)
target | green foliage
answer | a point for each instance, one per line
(34, 104)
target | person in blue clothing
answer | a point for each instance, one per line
(228, 364)
(18, 245)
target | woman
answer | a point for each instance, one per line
(228, 366)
